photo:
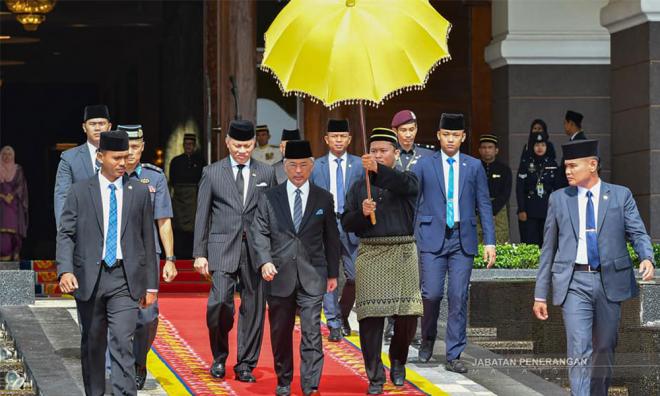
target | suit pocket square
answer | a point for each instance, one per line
(319, 212)
(262, 184)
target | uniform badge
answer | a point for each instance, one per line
(496, 176)
(269, 156)
(144, 181)
(152, 189)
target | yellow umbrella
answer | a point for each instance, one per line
(355, 51)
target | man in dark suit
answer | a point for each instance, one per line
(287, 134)
(453, 186)
(106, 257)
(296, 244)
(585, 258)
(336, 172)
(226, 202)
(77, 164)
(573, 129)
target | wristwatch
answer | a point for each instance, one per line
(170, 258)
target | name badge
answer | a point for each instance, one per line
(144, 181)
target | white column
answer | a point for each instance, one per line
(619, 15)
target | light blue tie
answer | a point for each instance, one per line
(592, 235)
(340, 187)
(297, 210)
(450, 194)
(111, 237)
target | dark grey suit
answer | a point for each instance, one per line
(304, 261)
(75, 165)
(107, 298)
(591, 301)
(221, 225)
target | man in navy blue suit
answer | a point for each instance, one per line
(336, 172)
(453, 186)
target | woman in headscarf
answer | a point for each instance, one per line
(13, 206)
(537, 178)
(538, 126)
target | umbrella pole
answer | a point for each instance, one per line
(364, 145)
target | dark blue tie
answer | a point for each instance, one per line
(592, 235)
(111, 237)
(340, 186)
(297, 210)
(450, 194)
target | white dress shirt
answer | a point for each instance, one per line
(582, 257)
(332, 164)
(246, 175)
(105, 199)
(291, 195)
(92, 154)
(457, 170)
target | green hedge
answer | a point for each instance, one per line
(522, 256)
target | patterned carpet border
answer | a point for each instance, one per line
(188, 365)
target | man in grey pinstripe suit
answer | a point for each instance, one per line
(226, 202)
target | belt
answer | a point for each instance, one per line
(117, 264)
(585, 268)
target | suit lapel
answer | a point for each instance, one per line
(325, 171)
(282, 205)
(229, 179)
(440, 172)
(461, 174)
(127, 200)
(603, 204)
(95, 192)
(573, 210)
(309, 208)
(86, 160)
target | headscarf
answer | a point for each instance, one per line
(531, 140)
(7, 168)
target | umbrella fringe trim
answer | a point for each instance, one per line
(353, 101)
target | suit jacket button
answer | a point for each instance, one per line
(294, 258)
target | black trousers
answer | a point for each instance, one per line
(531, 231)
(371, 341)
(220, 314)
(347, 298)
(110, 307)
(282, 316)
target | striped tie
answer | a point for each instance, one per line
(111, 237)
(297, 210)
(340, 186)
(450, 194)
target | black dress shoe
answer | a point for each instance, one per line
(140, 376)
(217, 370)
(245, 376)
(375, 389)
(456, 366)
(398, 373)
(335, 335)
(283, 390)
(345, 327)
(426, 351)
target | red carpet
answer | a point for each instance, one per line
(183, 343)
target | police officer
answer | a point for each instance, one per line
(404, 123)
(264, 152)
(185, 173)
(499, 185)
(538, 176)
(154, 178)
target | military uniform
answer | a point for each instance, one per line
(499, 186)
(185, 173)
(407, 159)
(537, 178)
(267, 154)
(147, 324)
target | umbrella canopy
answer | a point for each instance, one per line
(355, 51)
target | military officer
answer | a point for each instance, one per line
(264, 152)
(499, 185)
(154, 178)
(185, 173)
(404, 123)
(538, 176)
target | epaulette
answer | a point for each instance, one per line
(152, 167)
